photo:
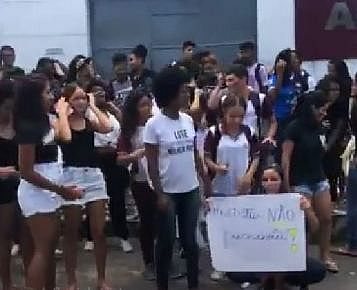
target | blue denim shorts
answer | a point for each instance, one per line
(312, 189)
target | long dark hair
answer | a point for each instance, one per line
(286, 56)
(315, 99)
(72, 68)
(343, 77)
(29, 110)
(325, 83)
(131, 116)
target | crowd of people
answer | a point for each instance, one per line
(73, 142)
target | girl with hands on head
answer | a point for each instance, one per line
(81, 168)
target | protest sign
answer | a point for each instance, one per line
(257, 233)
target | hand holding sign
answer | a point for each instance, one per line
(247, 232)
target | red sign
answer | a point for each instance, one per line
(326, 29)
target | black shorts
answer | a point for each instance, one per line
(8, 191)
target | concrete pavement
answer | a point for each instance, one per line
(124, 272)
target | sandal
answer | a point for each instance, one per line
(331, 266)
(344, 251)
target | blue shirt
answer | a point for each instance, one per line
(286, 100)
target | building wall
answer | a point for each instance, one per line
(34, 26)
(57, 28)
(162, 26)
(277, 33)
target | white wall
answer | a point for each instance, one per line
(276, 31)
(33, 26)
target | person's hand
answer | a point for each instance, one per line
(305, 204)
(244, 184)
(269, 140)
(91, 100)
(221, 169)
(9, 171)
(71, 192)
(139, 153)
(280, 67)
(63, 108)
(163, 203)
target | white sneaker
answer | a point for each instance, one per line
(89, 246)
(58, 253)
(245, 285)
(15, 250)
(217, 275)
(126, 246)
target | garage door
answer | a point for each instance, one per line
(162, 26)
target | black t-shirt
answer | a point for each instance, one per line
(8, 157)
(46, 150)
(144, 80)
(306, 160)
(338, 111)
(8, 149)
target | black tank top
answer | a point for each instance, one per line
(46, 153)
(8, 157)
(80, 152)
(8, 149)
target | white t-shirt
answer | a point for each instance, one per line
(234, 153)
(155, 109)
(176, 141)
(109, 139)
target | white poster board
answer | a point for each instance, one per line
(257, 233)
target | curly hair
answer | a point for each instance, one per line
(167, 85)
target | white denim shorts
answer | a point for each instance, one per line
(91, 180)
(34, 200)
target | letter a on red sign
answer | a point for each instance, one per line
(326, 29)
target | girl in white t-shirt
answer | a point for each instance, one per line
(231, 151)
(230, 154)
(136, 112)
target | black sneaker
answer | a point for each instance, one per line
(149, 272)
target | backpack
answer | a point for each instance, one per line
(217, 135)
(262, 152)
(262, 88)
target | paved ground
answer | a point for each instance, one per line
(124, 273)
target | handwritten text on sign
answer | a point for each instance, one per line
(257, 233)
